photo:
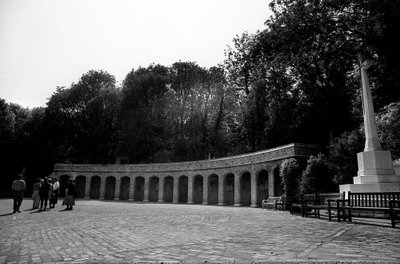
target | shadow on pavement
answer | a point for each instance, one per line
(6, 214)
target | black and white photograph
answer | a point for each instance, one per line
(188, 131)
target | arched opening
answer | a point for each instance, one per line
(139, 189)
(168, 189)
(80, 184)
(95, 183)
(63, 184)
(245, 190)
(229, 189)
(153, 189)
(278, 187)
(109, 193)
(262, 186)
(213, 189)
(198, 189)
(183, 189)
(124, 188)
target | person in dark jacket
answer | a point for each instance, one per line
(69, 199)
(18, 187)
(44, 194)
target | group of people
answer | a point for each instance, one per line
(45, 191)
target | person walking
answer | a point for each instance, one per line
(54, 194)
(50, 181)
(44, 194)
(69, 199)
(35, 195)
(18, 187)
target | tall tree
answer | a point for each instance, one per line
(82, 118)
(143, 114)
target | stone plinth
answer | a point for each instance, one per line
(375, 173)
(377, 162)
(370, 187)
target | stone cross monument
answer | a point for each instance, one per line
(375, 166)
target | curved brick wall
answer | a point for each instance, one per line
(238, 180)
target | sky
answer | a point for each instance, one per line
(50, 43)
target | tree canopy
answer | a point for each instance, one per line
(295, 81)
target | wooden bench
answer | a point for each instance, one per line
(283, 204)
(384, 202)
(394, 206)
(271, 202)
(323, 201)
(309, 198)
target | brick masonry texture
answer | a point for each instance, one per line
(109, 231)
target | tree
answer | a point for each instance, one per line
(81, 119)
(290, 172)
(142, 118)
(389, 129)
(318, 176)
(343, 155)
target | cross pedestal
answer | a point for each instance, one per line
(375, 173)
(375, 166)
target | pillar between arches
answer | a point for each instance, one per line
(175, 198)
(221, 189)
(253, 189)
(161, 189)
(190, 190)
(205, 190)
(87, 188)
(271, 182)
(102, 187)
(117, 188)
(146, 189)
(238, 187)
(132, 189)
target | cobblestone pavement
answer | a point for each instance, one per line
(101, 231)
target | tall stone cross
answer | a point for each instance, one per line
(375, 165)
(371, 134)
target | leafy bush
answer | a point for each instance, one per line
(343, 155)
(389, 129)
(318, 176)
(290, 172)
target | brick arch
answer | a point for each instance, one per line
(245, 188)
(228, 188)
(168, 189)
(109, 189)
(124, 188)
(95, 185)
(213, 188)
(153, 188)
(262, 185)
(80, 186)
(277, 181)
(139, 188)
(198, 189)
(183, 181)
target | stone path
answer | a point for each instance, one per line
(101, 231)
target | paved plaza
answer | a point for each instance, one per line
(105, 231)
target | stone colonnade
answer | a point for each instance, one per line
(239, 180)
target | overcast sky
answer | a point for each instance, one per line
(50, 43)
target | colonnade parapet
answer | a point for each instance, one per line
(237, 180)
